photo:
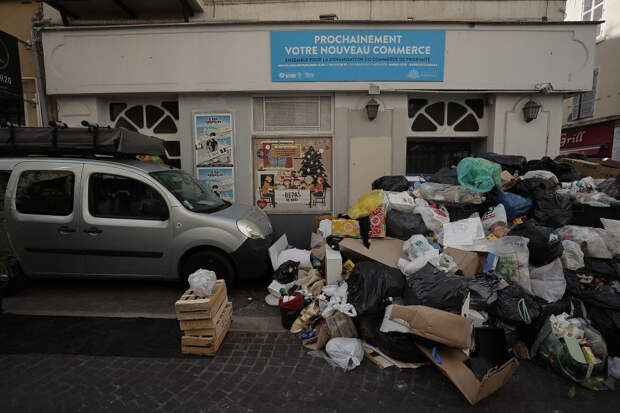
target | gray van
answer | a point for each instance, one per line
(122, 218)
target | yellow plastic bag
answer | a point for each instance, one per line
(367, 204)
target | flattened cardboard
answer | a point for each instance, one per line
(436, 325)
(593, 169)
(384, 250)
(452, 364)
(276, 249)
(469, 262)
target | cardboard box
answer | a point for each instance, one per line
(436, 325)
(593, 169)
(385, 250)
(469, 262)
(345, 228)
(377, 222)
(332, 265)
(451, 362)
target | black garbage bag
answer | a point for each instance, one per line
(526, 187)
(551, 208)
(595, 293)
(510, 330)
(397, 183)
(611, 187)
(564, 171)
(510, 163)
(286, 272)
(600, 267)
(515, 306)
(434, 288)
(403, 225)
(483, 291)
(400, 346)
(543, 247)
(572, 155)
(370, 283)
(445, 176)
(607, 322)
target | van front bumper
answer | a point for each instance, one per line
(251, 259)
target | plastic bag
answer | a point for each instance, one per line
(565, 172)
(541, 174)
(515, 306)
(434, 288)
(479, 175)
(608, 323)
(403, 225)
(526, 187)
(400, 201)
(544, 245)
(552, 209)
(494, 217)
(202, 282)
(400, 346)
(611, 187)
(366, 204)
(600, 267)
(297, 255)
(346, 353)
(510, 163)
(572, 257)
(445, 176)
(594, 242)
(396, 183)
(548, 281)
(483, 291)
(515, 205)
(433, 217)
(462, 232)
(446, 193)
(614, 367)
(370, 283)
(513, 260)
(286, 272)
(592, 293)
(417, 246)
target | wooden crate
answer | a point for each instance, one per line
(204, 346)
(220, 322)
(193, 307)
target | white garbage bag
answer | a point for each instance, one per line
(548, 281)
(297, 255)
(400, 201)
(202, 282)
(346, 353)
(572, 257)
(513, 260)
(433, 218)
(597, 242)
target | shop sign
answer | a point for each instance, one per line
(293, 174)
(588, 139)
(10, 70)
(357, 55)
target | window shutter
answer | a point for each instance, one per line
(587, 99)
(576, 103)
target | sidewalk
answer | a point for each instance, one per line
(262, 372)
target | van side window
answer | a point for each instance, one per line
(45, 193)
(114, 196)
(4, 180)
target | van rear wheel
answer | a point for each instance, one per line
(209, 260)
(17, 279)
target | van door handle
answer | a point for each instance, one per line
(66, 230)
(93, 231)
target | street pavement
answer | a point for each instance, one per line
(264, 372)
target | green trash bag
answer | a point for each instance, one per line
(479, 175)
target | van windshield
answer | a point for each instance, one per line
(190, 192)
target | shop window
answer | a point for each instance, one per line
(166, 126)
(45, 193)
(425, 157)
(592, 10)
(136, 115)
(462, 116)
(173, 108)
(583, 104)
(295, 113)
(153, 114)
(116, 109)
(113, 196)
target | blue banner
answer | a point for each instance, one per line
(357, 55)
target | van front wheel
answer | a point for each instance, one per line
(209, 260)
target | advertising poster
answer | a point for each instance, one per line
(219, 180)
(293, 175)
(357, 55)
(214, 139)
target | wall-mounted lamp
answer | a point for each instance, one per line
(530, 111)
(372, 108)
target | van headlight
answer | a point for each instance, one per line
(249, 229)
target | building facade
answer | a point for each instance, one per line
(298, 115)
(591, 123)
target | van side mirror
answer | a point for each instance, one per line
(155, 208)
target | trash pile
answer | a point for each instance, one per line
(496, 260)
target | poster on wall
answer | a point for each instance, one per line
(616, 145)
(293, 174)
(220, 180)
(214, 139)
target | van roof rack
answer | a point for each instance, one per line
(91, 140)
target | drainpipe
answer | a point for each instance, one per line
(37, 46)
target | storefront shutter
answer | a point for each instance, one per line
(576, 104)
(587, 99)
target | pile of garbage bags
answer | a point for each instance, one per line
(481, 265)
